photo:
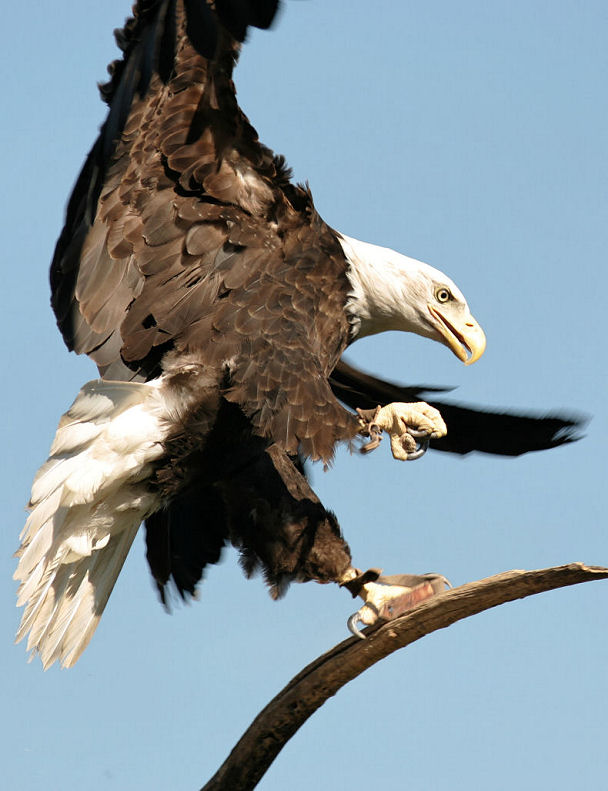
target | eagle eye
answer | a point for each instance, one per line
(443, 294)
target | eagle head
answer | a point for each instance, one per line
(390, 291)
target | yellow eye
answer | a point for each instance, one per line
(443, 294)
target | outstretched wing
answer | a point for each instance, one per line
(136, 237)
(469, 429)
(185, 235)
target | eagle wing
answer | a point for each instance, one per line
(185, 235)
(470, 429)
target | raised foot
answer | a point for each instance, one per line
(410, 426)
(388, 597)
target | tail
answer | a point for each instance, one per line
(87, 503)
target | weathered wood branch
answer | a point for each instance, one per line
(306, 692)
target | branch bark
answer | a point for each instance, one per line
(306, 692)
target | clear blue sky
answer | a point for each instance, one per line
(470, 135)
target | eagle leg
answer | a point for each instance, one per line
(410, 426)
(387, 597)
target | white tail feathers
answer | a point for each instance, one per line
(87, 503)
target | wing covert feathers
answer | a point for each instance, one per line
(185, 238)
(87, 503)
(175, 144)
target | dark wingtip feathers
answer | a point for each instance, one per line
(505, 433)
(469, 429)
(236, 16)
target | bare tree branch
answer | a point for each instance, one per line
(306, 692)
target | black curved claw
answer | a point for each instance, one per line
(422, 445)
(352, 625)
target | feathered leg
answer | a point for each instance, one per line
(280, 526)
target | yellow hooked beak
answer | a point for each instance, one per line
(464, 337)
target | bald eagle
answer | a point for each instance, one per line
(217, 304)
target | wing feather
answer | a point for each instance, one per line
(191, 240)
(469, 428)
(157, 138)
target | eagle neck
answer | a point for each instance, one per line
(376, 300)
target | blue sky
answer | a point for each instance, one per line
(470, 135)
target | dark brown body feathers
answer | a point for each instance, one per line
(186, 245)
